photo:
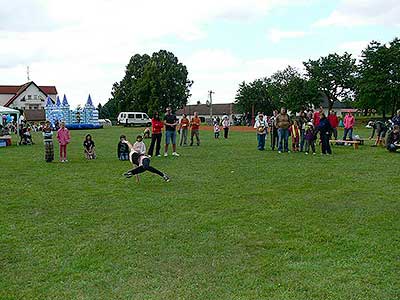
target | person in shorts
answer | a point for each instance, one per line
(170, 122)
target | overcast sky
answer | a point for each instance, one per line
(83, 46)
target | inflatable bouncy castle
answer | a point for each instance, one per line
(80, 118)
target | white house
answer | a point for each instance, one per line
(28, 96)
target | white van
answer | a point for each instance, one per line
(133, 118)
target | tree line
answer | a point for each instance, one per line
(152, 83)
(372, 82)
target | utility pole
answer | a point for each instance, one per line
(211, 110)
(27, 73)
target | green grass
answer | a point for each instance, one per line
(233, 223)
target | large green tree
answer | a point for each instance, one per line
(150, 83)
(334, 75)
(294, 91)
(378, 83)
(255, 96)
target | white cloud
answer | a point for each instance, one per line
(355, 47)
(222, 72)
(84, 46)
(364, 12)
(276, 35)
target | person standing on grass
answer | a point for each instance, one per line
(195, 125)
(170, 122)
(348, 126)
(261, 126)
(295, 134)
(63, 137)
(48, 142)
(317, 117)
(225, 125)
(274, 130)
(282, 122)
(301, 122)
(156, 134)
(325, 130)
(216, 129)
(309, 137)
(183, 128)
(334, 121)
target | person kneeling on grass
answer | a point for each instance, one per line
(393, 139)
(89, 147)
(141, 163)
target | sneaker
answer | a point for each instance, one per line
(288, 151)
(314, 153)
(166, 178)
(165, 154)
(149, 155)
(175, 154)
(159, 155)
(279, 152)
(306, 153)
(65, 160)
(128, 174)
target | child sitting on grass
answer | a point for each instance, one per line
(123, 148)
(89, 147)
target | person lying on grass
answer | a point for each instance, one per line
(141, 163)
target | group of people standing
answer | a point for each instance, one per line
(172, 126)
(303, 130)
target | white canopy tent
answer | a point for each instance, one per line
(8, 111)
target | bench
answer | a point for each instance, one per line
(5, 140)
(354, 143)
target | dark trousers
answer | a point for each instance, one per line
(309, 144)
(155, 139)
(146, 167)
(326, 147)
(274, 138)
(348, 131)
(226, 131)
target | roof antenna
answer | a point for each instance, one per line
(27, 73)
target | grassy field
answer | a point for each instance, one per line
(233, 223)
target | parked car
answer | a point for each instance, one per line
(133, 118)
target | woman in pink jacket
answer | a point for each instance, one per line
(63, 138)
(348, 123)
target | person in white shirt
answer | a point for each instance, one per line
(139, 146)
(225, 124)
(261, 126)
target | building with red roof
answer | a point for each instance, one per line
(28, 96)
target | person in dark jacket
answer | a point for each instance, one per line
(393, 139)
(122, 149)
(325, 130)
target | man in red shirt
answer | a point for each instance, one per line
(334, 121)
(195, 124)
